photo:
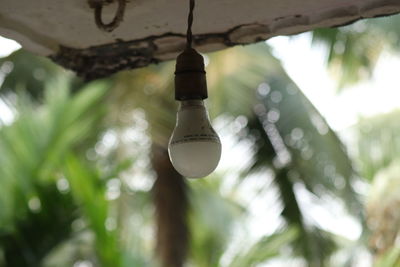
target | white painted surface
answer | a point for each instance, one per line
(42, 25)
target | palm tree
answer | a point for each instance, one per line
(39, 168)
(290, 142)
(353, 53)
(281, 121)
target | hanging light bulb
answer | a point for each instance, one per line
(194, 148)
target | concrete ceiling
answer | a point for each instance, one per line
(154, 30)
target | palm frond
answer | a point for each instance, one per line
(89, 192)
(213, 218)
(294, 140)
(354, 50)
(378, 143)
(35, 215)
(266, 248)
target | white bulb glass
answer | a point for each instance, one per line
(194, 148)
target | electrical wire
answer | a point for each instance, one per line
(189, 37)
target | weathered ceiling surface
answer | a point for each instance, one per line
(153, 30)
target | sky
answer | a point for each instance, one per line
(7, 46)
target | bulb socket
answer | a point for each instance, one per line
(190, 76)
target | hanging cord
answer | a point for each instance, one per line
(97, 5)
(189, 37)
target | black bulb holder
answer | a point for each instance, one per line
(190, 76)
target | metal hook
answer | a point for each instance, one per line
(97, 5)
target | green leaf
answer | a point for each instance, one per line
(89, 192)
(266, 248)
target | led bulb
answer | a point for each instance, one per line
(194, 147)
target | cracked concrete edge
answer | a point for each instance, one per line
(103, 60)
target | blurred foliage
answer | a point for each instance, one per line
(263, 93)
(32, 73)
(84, 169)
(37, 212)
(280, 118)
(211, 220)
(378, 143)
(378, 160)
(389, 259)
(266, 248)
(354, 50)
(353, 53)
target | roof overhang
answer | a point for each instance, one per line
(154, 30)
